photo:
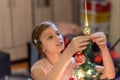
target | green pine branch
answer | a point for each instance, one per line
(88, 68)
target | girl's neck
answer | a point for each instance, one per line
(53, 58)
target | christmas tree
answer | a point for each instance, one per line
(86, 71)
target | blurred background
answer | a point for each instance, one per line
(18, 17)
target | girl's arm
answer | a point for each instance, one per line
(77, 44)
(108, 70)
(56, 72)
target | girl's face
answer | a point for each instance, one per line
(52, 40)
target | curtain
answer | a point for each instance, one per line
(115, 23)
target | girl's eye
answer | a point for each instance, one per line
(50, 37)
(58, 33)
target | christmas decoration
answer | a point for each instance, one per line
(86, 71)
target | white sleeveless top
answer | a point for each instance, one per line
(46, 66)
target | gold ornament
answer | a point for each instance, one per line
(86, 30)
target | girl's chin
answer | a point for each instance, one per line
(61, 49)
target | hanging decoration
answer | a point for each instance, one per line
(86, 71)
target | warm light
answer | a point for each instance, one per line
(89, 72)
(80, 74)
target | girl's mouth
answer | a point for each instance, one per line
(59, 44)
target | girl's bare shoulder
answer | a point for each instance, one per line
(42, 64)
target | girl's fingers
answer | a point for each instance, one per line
(79, 43)
(81, 49)
(97, 35)
(82, 38)
(83, 44)
(100, 41)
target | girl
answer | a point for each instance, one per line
(56, 66)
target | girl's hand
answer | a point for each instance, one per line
(78, 44)
(99, 38)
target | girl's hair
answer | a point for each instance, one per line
(36, 33)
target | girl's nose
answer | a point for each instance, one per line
(58, 37)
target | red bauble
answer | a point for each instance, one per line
(72, 78)
(78, 58)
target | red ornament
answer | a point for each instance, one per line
(78, 58)
(72, 78)
(98, 59)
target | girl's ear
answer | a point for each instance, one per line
(43, 48)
